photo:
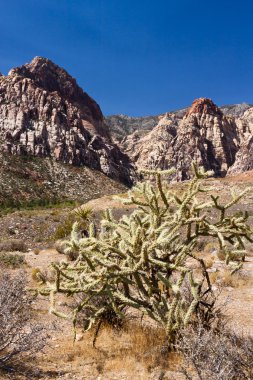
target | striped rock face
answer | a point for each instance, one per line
(43, 112)
(203, 134)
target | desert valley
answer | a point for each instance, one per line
(126, 242)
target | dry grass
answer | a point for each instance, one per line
(214, 277)
(36, 275)
(12, 260)
(12, 245)
(209, 262)
(216, 355)
(240, 279)
(133, 352)
(237, 280)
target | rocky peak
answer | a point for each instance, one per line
(52, 78)
(204, 135)
(219, 139)
(43, 112)
(204, 106)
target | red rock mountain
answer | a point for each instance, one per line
(202, 134)
(43, 112)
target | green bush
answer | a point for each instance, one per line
(81, 215)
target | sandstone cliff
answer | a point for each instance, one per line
(43, 112)
(202, 134)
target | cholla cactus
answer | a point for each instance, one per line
(142, 260)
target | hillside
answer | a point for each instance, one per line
(27, 180)
(122, 125)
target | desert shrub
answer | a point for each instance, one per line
(11, 245)
(215, 354)
(36, 251)
(142, 260)
(38, 275)
(64, 228)
(20, 337)
(81, 215)
(12, 259)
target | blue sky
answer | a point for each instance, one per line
(137, 57)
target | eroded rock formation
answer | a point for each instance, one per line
(43, 112)
(202, 134)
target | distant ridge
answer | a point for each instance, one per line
(218, 138)
(122, 125)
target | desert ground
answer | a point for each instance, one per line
(136, 351)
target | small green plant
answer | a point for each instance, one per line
(38, 276)
(12, 205)
(81, 215)
(64, 228)
(143, 260)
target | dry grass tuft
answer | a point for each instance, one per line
(12, 260)
(12, 245)
(237, 280)
(135, 347)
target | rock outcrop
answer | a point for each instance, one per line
(122, 126)
(244, 158)
(155, 148)
(43, 112)
(203, 135)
